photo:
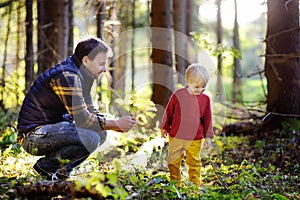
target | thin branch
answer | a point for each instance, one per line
(282, 32)
(275, 113)
(250, 75)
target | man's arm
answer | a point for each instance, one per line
(68, 88)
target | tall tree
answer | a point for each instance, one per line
(113, 30)
(29, 57)
(219, 42)
(71, 26)
(100, 16)
(3, 74)
(282, 61)
(133, 24)
(162, 63)
(53, 32)
(127, 20)
(180, 39)
(191, 9)
(237, 83)
(18, 45)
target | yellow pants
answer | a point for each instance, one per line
(176, 150)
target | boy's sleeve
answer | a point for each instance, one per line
(168, 115)
(208, 128)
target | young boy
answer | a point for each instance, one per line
(188, 120)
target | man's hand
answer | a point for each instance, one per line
(125, 123)
(164, 133)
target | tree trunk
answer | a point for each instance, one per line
(71, 27)
(53, 32)
(18, 49)
(113, 29)
(179, 19)
(29, 57)
(237, 83)
(219, 42)
(5, 46)
(162, 63)
(126, 20)
(100, 16)
(132, 43)
(282, 62)
(191, 53)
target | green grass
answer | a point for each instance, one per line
(252, 90)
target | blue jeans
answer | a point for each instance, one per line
(63, 145)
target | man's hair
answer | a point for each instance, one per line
(91, 47)
(196, 72)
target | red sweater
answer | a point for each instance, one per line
(188, 116)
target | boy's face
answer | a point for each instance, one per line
(196, 87)
(97, 66)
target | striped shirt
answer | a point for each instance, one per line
(70, 90)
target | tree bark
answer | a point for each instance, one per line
(282, 62)
(71, 27)
(162, 63)
(29, 57)
(133, 24)
(219, 61)
(5, 56)
(237, 83)
(53, 32)
(191, 9)
(100, 16)
(179, 19)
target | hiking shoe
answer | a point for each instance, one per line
(52, 176)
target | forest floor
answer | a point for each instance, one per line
(257, 166)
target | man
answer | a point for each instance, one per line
(58, 120)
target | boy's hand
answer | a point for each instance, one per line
(207, 143)
(164, 133)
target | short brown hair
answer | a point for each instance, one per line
(90, 47)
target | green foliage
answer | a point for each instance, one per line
(8, 132)
(215, 49)
(292, 125)
(138, 103)
(106, 184)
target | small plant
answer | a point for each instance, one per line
(139, 104)
(106, 184)
(8, 132)
(291, 126)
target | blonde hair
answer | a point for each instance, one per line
(196, 72)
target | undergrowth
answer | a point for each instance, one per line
(264, 166)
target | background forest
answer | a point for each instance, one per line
(250, 49)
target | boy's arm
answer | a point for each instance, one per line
(167, 116)
(208, 128)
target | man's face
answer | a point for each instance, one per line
(97, 66)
